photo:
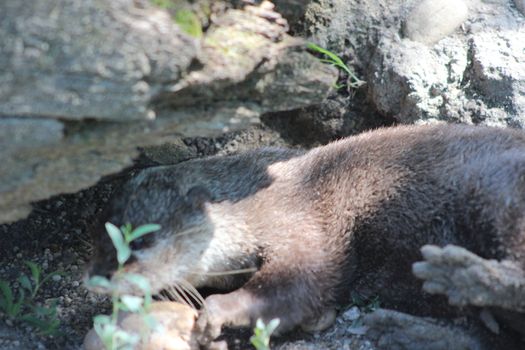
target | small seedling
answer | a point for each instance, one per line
(262, 332)
(335, 60)
(106, 326)
(43, 318)
(366, 305)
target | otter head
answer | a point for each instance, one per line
(167, 256)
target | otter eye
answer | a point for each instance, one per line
(139, 243)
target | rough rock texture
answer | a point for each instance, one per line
(397, 331)
(82, 84)
(472, 75)
(447, 16)
(174, 331)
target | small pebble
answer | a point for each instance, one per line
(9, 322)
(358, 330)
(352, 314)
(56, 278)
(75, 284)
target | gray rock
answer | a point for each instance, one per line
(471, 74)
(431, 20)
(395, 330)
(83, 84)
(96, 59)
(498, 72)
(520, 5)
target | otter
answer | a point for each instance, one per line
(309, 226)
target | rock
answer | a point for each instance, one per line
(520, 5)
(88, 59)
(352, 314)
(498, 72)
(80, 96)
(432, 20)
(472, 75)
(175, 332)
(396, 330)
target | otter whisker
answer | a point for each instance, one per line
(187, 299)
(188, 231)
(225, 273)
(192, 291)
(174, 295)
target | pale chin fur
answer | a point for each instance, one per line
(192, 255)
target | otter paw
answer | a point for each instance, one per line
(208, 329)
(454, 272)
(466, 278)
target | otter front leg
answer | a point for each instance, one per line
(469, 279)
(295, 296)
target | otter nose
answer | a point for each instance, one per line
(98, 270)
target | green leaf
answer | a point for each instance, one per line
(17, 307)
(101, 319)
(272, 325)
(50, 275)
(143, 283)
(105, 329)
(35, 271)
(123, 250)
(46, 326)
(141, 231)
(188, 22)
(99, 281)
(337, 61)
(138, 280)
(7, 293)
(25, 283)
(43, 311)
(126, 229)
(127, 340)
(132, 303)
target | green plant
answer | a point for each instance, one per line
(366, 305)
(8, 304)
(43, 318)
(335, 60)
(186, 19)
(164, 4)
(262, 332)
(188, 22)
(106, 326)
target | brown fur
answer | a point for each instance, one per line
(352, 214)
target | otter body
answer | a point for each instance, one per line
(314, 224)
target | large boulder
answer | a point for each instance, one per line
(83, 83)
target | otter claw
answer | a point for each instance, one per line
(208, 330)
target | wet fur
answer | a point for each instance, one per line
(352, 214)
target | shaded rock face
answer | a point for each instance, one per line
(84, 83)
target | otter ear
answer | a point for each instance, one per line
(197, 195)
